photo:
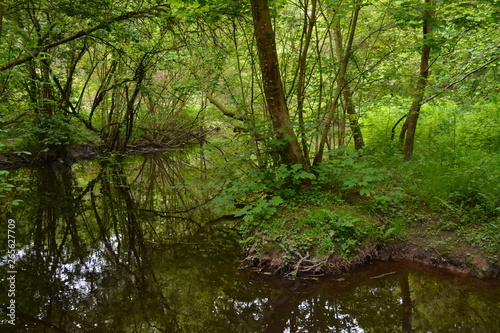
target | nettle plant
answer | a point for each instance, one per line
(259, 191)
(348, 171)
(345, 233)
(319, 232)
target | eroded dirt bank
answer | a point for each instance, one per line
(470, 263)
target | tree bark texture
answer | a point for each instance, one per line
(290, 152)
(407, 135)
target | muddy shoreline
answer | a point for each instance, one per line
(472, 264)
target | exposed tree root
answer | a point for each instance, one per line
(305, 265)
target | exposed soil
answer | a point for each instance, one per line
(471, 264)
(465, 261)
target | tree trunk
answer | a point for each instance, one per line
(344, 86)
(342, 72)
(309, 23)
(290, 152)
(407, 135)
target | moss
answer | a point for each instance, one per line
(308, 238)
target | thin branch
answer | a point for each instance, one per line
(451, 84)
(79, 34)
(11, 121)
(393, 129)
(224, 109)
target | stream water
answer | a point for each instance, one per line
(122, 247)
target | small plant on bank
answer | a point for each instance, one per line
(485, 237)
(260, 191)
(320, 233)
(349, 171)
(327, 232)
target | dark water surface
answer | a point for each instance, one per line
(121, 247)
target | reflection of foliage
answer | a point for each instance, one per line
(460, 308)
(8, 189)
(100, 255)
(90, 236)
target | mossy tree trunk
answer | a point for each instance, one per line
(289, 149)
(407, 135)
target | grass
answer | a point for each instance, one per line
(446, 198)
(449, 208)
(317, 230)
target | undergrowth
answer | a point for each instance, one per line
(452, 183)
(318, 231)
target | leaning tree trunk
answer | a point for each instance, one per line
(290, 152)
(407, 135)
(345, 87)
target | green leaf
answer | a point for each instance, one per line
(276, 200)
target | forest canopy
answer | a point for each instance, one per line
(300, 77)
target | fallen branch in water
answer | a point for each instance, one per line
(382, 275)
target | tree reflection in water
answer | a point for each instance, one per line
(121, 247)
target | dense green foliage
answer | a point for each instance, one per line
(113, 247)
(356, 77)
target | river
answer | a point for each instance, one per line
(106, 246)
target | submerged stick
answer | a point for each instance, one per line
(382, 275)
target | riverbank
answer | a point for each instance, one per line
(472, 263)
(319, 242)
(14, 158)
